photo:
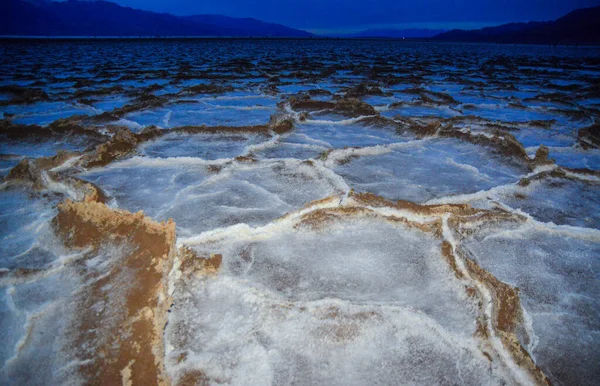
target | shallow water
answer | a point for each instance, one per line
(316, 283)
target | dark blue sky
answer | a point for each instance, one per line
(348, 15)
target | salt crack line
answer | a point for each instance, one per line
(520, 375)
(341, 122)
(581, 233)
(337, 155)
(165, 162)
(245, 232)
(71, 162)
(492, 193)
(60, 187)
(261, 146)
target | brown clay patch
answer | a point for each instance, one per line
(129, 341)
(342, 327)
(309, 104)
(589, 137)
(214, 168)
(450, 258)
(281, 123)
(119, 146)
(245, 159)
(320, 218)
(193, 378)
(354, 107)
(192, 264)
(507, 310)
(503, 142)
(488, 356)
(556, 173)
(434, 227)
(506, 316)
(373, 200)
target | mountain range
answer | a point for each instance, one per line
(409, 33)
(103, 18)
(581, 26)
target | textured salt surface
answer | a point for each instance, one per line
(198, 200)
(558, 275)
(292, 262)
(422, 170)
(321, 307)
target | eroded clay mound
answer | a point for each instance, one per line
(123, 343)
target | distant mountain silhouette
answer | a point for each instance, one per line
(409, 33)
(103, 18)
(581, 26)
